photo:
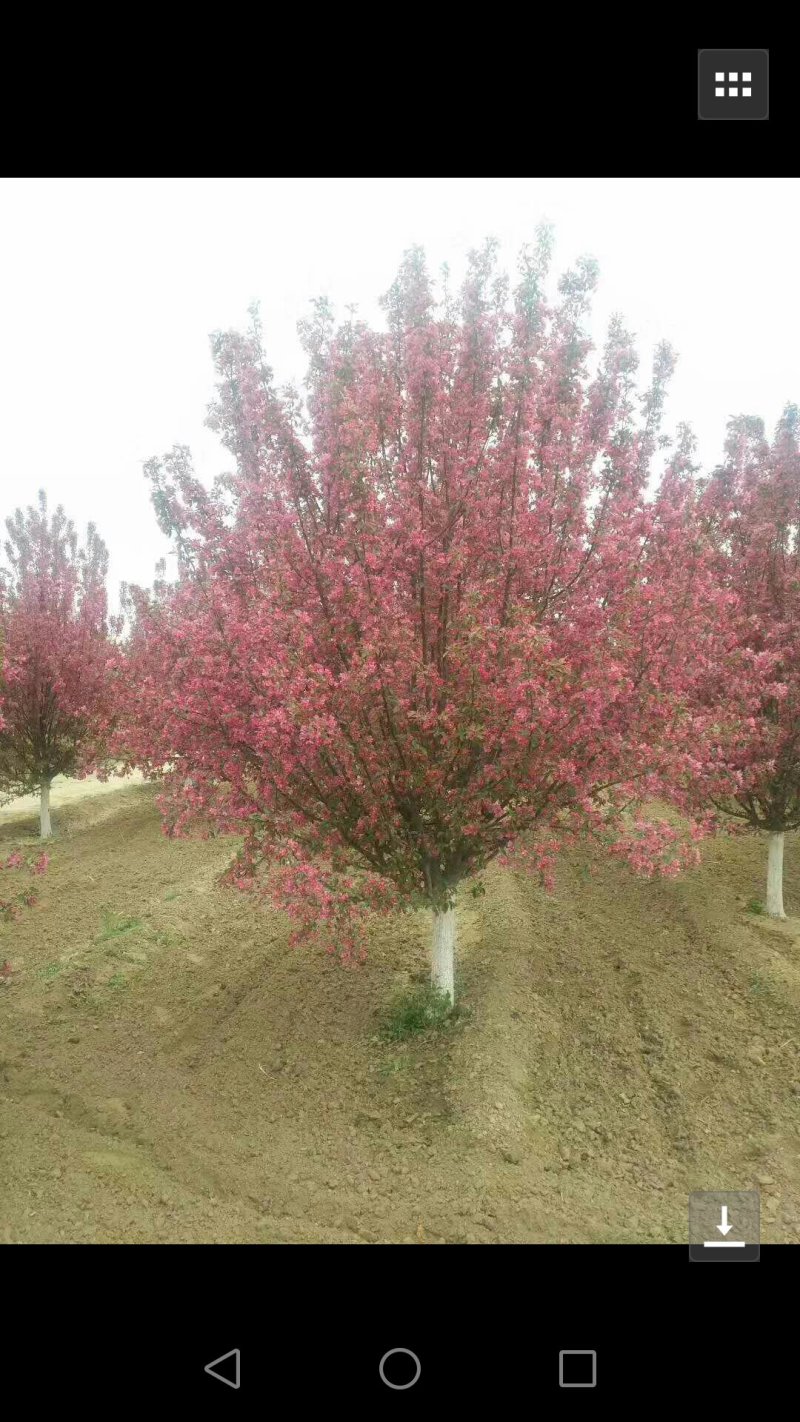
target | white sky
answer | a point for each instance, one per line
(110, 287)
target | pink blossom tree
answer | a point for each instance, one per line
(13, 898)
(54, 685)
(752, 506)
(433, 617)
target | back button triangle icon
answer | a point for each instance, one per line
(230, 1372)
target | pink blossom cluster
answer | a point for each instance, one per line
(751, 510)
(443, 609)
(55, 684)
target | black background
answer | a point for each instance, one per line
(106, 1328)
(535, 92)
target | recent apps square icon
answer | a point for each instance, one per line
(733, 83)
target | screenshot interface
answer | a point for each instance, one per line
(400, 776)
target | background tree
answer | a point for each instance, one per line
(53, 680)
(432, 610)
(12, 896)
(752, 504)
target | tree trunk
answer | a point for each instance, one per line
(443, 947)
(775, 875)
(45, 830)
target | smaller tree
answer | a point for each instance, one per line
(56, 653)
(752, 505)
(12, 896)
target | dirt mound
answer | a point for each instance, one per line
(65, 795)
(171, 1071)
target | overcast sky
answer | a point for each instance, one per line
(110, 287)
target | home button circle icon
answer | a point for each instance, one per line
(400, 1369)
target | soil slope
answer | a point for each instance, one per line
(171, 1071)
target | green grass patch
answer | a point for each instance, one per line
(115, 924)
(760, 986)
(51, 971)
(424, 1009)
(755, 906)
(168, 938)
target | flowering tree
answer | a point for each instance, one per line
(432, 618)
(12, 899)
(53, 677)
(752, 504)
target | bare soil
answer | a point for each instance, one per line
(63, 792)
(170, 1070)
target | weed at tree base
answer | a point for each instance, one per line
(421, 1010)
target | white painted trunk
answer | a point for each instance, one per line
(443, 952)
(45, 830)
(775, 875)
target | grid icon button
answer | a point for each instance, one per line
(733, 83)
